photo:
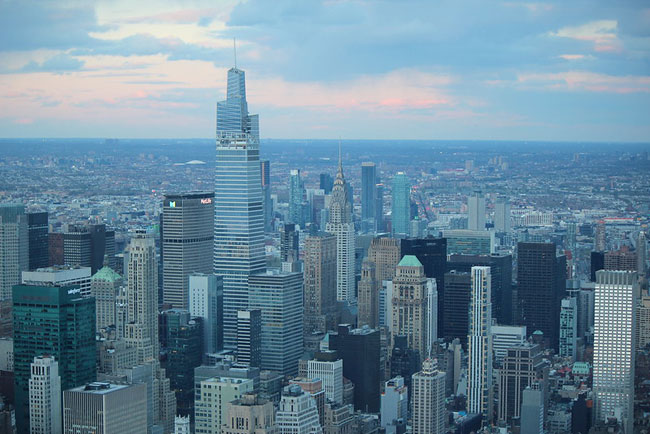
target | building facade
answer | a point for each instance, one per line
(45, 396)
(428, 400)
(401, 208)
(320, 270)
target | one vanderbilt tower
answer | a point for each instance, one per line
(238, 217)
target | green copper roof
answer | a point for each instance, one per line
(106, 273)
(409, 261)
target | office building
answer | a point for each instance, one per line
(239, 217)
(297, 412)
(432, 254)
(296, 198)
(183, 341)
(394, 401)
(428, 414)
(469, 242)
(368, 296)
(45, 396)
(379, 208)
(479, 347)
(54, 321)
(328, 367)
(141, 329)
(622, 260)
(182, 425)
(187, 243)
(359, 349)
(401, 207)
(532, 410)
(614, 349)
(60, 275)
(320, 283)
(456, 305)
(289, 239)
(206, 302)
(14, 247)
(540, 288)
(643, 322)
(410, 308)
(368, 195)
(641, 253)
(501, 273)
(105, 408)
(105, 287)
(597, 262)
(86, 245)
(504, 337)
(249, 337)
(522, 366)
(326, 182)
(341, 225)
(476, 211)
(279, 296)
(249, 414)
(568, 327)
(267, 202)
(502, 215)
(212, 397)
(314, 388)
(385, 253)
(37, 229)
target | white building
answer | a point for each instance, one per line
(479, 365)
(105, 408)
(297, 412)
(432, 316)
(45, 396)
(504, 337)
(502, 215)
(476, 212)
(428, 400)
(394, 401)
(182, 425)
(206, 301)
(614, 352)
(211, 399)
(6, 354)
(60, 275)
(331, 373)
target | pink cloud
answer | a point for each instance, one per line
(23, 121)
(184, 16)
(602, 34)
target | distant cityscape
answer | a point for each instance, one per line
(247, 285)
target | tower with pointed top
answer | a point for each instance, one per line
(340, 224)
(238, 212)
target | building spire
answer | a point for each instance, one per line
(340, 160)
(234, 47)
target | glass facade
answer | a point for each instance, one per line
(401, 215)
(239, 216)
(53, 321)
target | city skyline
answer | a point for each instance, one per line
(493, 70)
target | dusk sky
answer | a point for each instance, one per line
(487, 70)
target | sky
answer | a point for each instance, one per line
(574, 70)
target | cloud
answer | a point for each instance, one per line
(59, 63)
(602, 34)
(583, 81)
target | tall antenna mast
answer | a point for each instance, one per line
(340, 159)
(234, 47)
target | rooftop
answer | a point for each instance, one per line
(409, 261)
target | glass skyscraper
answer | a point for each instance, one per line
(401, 213)
(368, 195)
(239, 216)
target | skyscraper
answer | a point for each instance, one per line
(457, 291)
(401, 208)
(340, 224)
(45, 396)
(37, 228)
(249, 415)
(359, 349)
(368, 296)
(568, 327)
(502, 215)
(289, 238)
(55, 321)
(296, 198)
(328, 367)
(410, 309)
(297, 412)
(326, 183)
(267, 202)
(479, 365)
(320, 283)
(614, 351)
(540, 287)
(249, 337)
(428, 400)
(239, 217)
(279, 296)
(379, 207)
(206, 302)
(522, 366)
(476, 211)
(385, 253)
(87, 245)
(14, 247)
(187, 243)
(368, 195)
(105, 287)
